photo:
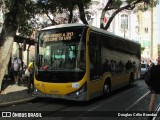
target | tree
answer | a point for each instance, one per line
(52, 8)
(119, 5)
(60, 6)
(80, 5)
(14, 13)
(11, 19)
(19, 16)
(142, 49)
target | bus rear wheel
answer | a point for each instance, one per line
(106, 89)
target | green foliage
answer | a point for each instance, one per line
(147, 1)
(147, 5)
(51, 7)
(150, 4)
(117, 3)
(142, 49)
(27, 21)
(130, 1)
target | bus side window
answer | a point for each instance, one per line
(95, 62)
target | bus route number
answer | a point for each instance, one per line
(58, 36)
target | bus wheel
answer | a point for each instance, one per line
(131, 80)
(106, 89)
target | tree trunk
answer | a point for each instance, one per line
(70, 15)
(5, 53)
(81, 11)
(8, 33)
(102, 19)
(109, 6)
(103, 14)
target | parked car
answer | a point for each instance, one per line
(144, 69)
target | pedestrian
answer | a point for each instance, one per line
(150, 64)
(31, 77)
(20, 73)
(154, 84)
(16, 63)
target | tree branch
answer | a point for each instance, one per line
(81, 11)
(52, 20)
(71, 13)
(130, 6)
(103, 14)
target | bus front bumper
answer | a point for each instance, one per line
(75, 97)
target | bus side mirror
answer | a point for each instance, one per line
(24, 45)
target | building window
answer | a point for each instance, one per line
(146, 29)
(137, 29)
(124, 21)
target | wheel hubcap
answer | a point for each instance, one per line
(106, 88)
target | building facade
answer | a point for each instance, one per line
(148, 32)
(137, 26)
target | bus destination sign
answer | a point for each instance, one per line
(58, 36)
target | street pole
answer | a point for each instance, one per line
(151, 46)
(124, 33)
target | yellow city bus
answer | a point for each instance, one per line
(80, 62)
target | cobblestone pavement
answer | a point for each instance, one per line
(14, 94)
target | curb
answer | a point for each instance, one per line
(17, 102)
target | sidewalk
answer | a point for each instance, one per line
(14, 94)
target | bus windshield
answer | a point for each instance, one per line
(62, 50)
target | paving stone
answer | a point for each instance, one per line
(13, 92)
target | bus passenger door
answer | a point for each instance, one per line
(95, 83)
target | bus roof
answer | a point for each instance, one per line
(83, 25)
(63, 25)
(111, 34)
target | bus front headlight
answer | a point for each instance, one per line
(80, 90)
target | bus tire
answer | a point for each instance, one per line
(131, 80)
(106, 89)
